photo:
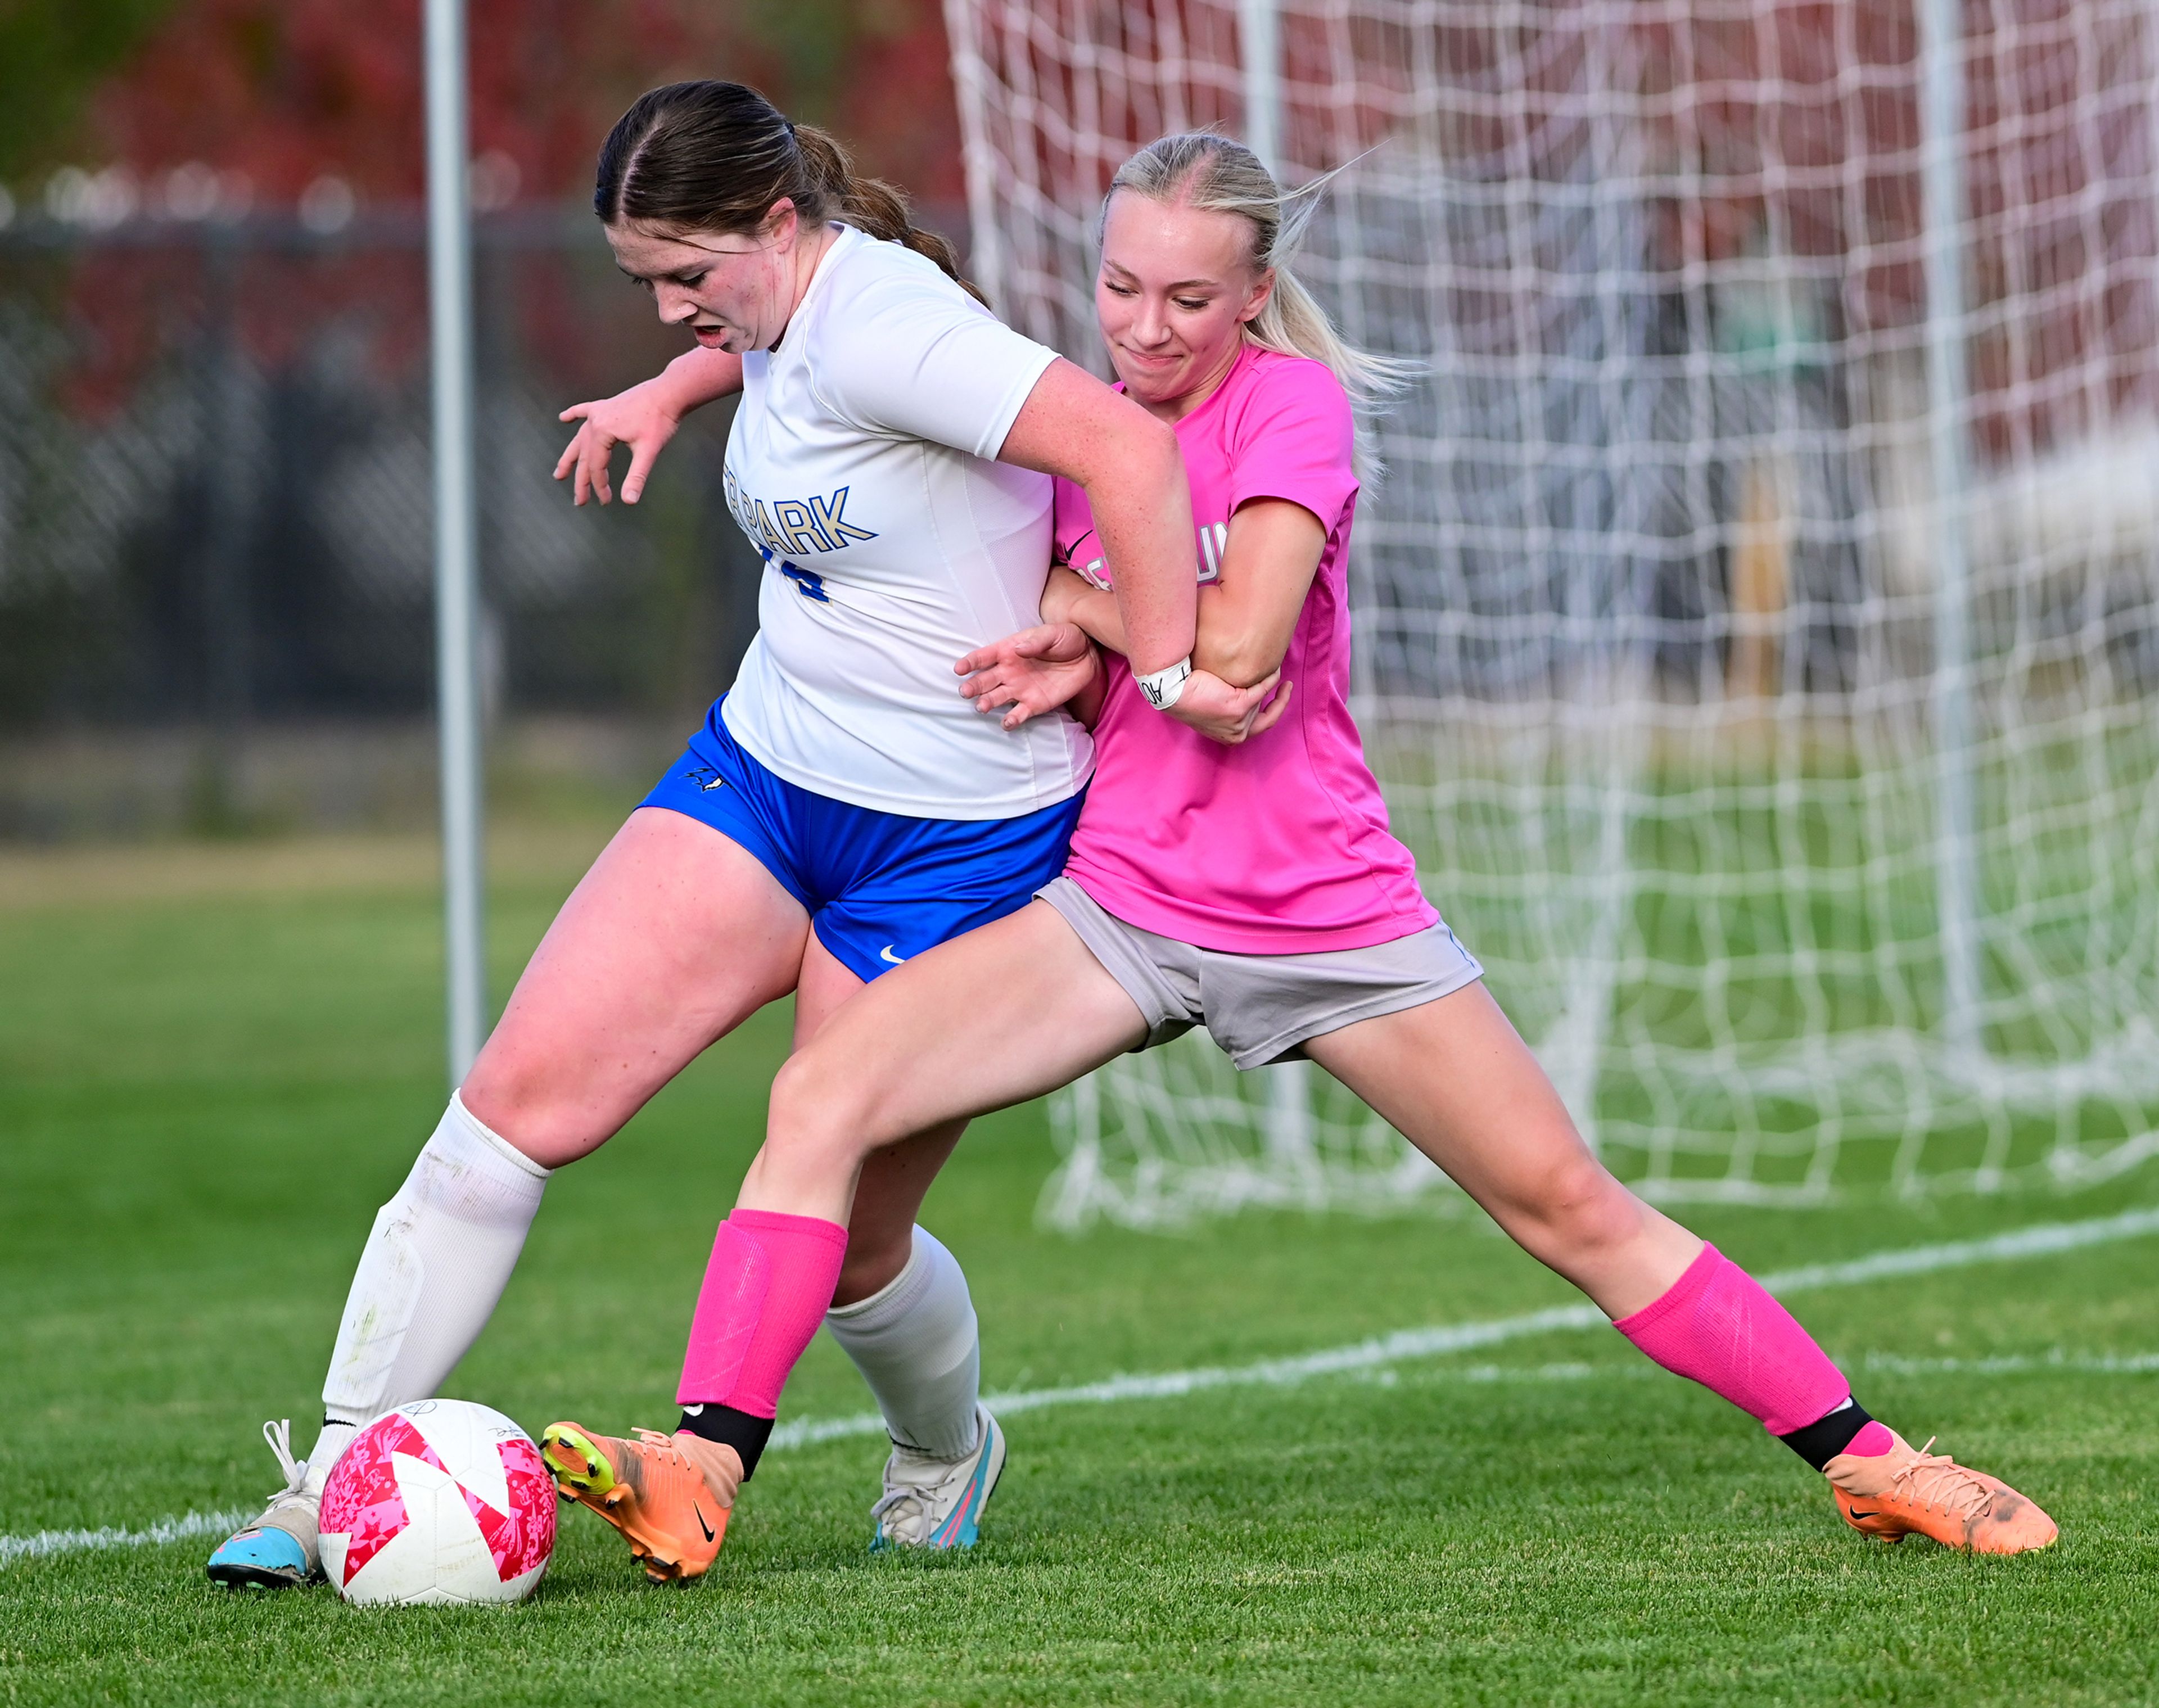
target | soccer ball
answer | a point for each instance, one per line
(438, 1502)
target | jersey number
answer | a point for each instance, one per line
(807, 582)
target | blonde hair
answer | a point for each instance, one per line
(1217, 175)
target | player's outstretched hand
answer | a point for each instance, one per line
(1033, 671)
(638, 418)
(1230, 714)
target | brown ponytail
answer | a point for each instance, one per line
(715, 157)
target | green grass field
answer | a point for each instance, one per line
(214, 1065)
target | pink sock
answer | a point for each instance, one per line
(1717, 1326)
(1872, 1440)
(767, 1285)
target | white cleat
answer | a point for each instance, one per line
(934, 1503)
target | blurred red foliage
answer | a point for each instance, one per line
(275, 95)
(287, 91)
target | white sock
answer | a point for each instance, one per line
(434, 1265)
(916, 1343)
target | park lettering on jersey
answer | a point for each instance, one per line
(795, 526)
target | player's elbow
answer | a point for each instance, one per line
(1242, 660)
(1140, 453)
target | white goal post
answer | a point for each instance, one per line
(1758, 628)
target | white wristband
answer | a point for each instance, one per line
(1165, 688)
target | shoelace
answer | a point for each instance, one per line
(894, 1500)
(664, 1443)
(278, 1434)
(918, 1496)
(1936, 1480)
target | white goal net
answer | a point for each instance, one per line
(1758, 629)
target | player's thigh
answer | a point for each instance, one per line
(1008, 1011)
(675, 937)
(1455, 1079)
(895, 1178)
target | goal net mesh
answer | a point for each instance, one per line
(1757, 629)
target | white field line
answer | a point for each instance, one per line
(2057, 1359)
(1401, 1347)
(195, 1523)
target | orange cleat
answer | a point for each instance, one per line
(669, 1495)
(1894, 1495)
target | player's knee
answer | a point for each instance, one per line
(816, 1111)
(522, 1106)
(1579, 1208)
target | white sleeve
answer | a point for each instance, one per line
(921, 362)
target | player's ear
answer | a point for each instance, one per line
(1263, 289)
(782, 221)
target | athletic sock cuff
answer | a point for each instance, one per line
(1692, 1282)
(744, 1432)
(487, 1135)
(1829, 1434)
(892, 1300)
(781, 1222)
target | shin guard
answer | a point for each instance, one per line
(1716, 1325)
(767, 1287)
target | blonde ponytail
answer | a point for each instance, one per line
(1217, 175)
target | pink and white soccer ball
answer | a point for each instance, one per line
(441, 1502)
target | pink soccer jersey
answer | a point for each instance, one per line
(1280, 846)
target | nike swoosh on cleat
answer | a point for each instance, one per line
(1856, 1514)
(702, 1524)
(885, 954)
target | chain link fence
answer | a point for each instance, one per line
(214, 519)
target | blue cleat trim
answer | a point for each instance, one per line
(959, 1530)
(261, 1558)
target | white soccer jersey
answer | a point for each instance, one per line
(859, 466)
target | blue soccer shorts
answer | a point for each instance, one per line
(879, 888)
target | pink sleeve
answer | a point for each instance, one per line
(1071, 520)
(1296, 439)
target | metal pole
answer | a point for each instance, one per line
(1943, 204)
(456, 532)
(1288, 1121)
(219, 808)
(1259, 23)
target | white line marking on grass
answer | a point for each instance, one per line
(2057, 1359)
(2141, 1363)
(2042, 1240)
(45, 1542)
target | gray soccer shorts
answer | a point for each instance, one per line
(1261, 1008)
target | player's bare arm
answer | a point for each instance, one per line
(1246, 617)
(1128, 465)
(644, 418)
(1244, 623)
